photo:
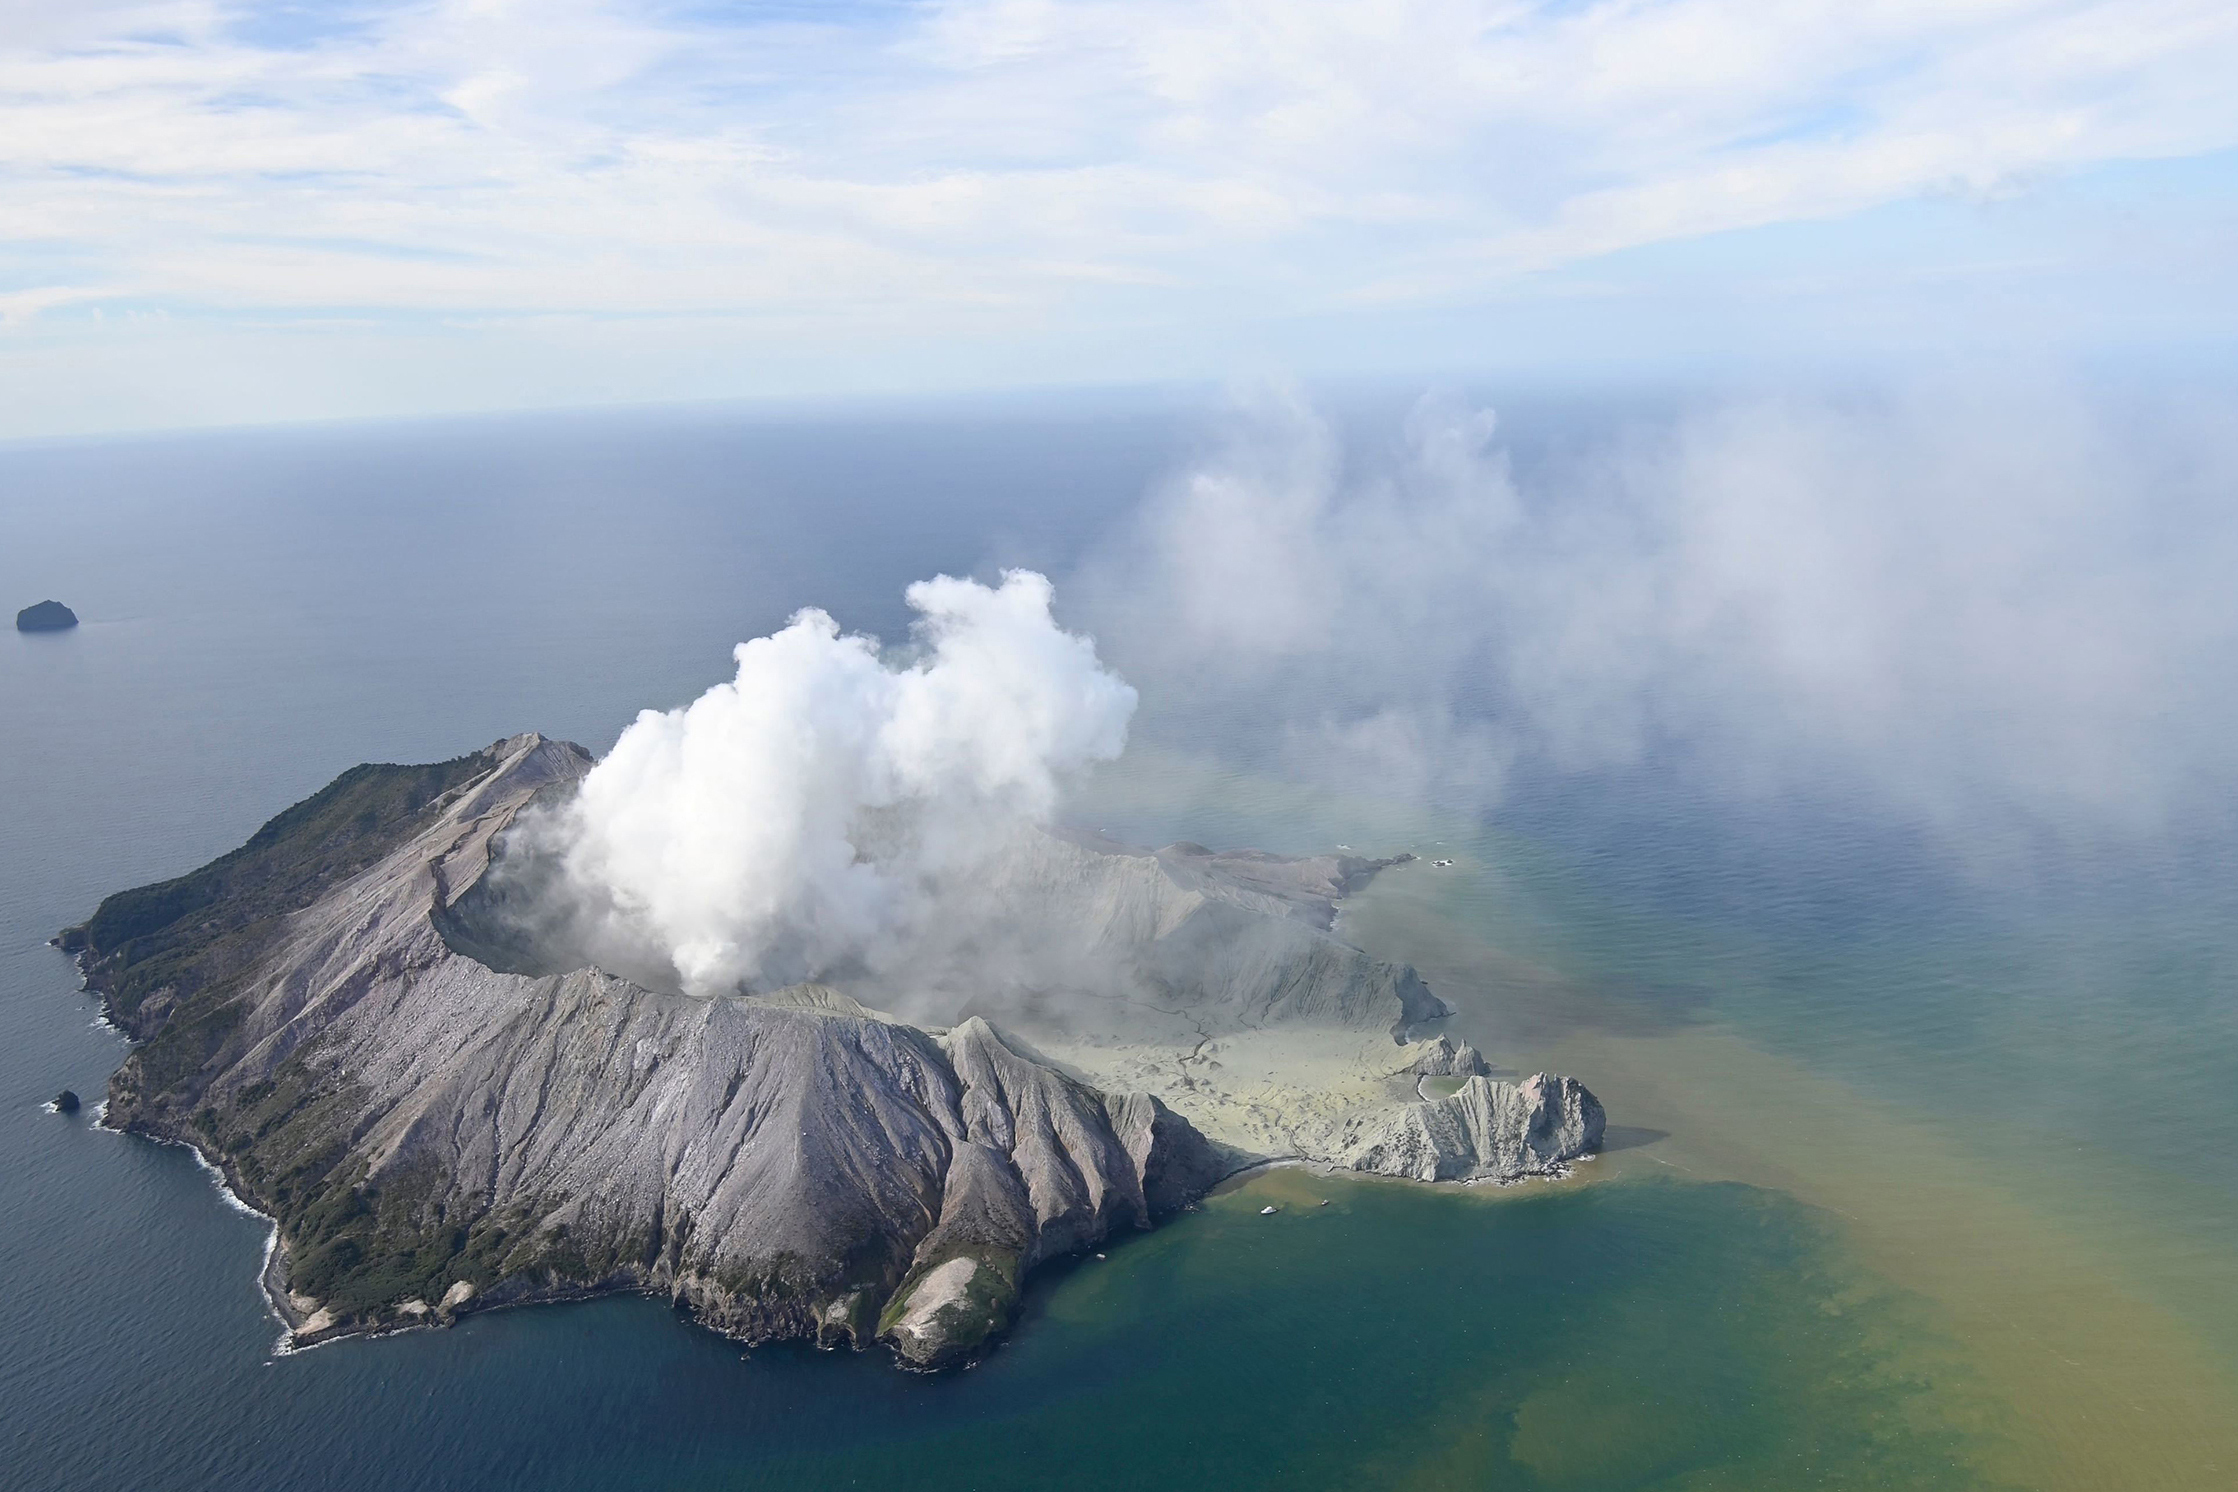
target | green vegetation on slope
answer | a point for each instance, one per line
(157, 953)
(167, 959)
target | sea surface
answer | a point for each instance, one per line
(1918, 1177)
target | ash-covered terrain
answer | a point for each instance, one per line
(367, 1021)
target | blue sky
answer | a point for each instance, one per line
(237, 212)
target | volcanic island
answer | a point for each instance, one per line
(442, 1115)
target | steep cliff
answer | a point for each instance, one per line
(1486, 1131)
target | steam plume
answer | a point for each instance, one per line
(784, 823)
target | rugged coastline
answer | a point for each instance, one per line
(433, 1135)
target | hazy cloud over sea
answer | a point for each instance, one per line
(1958, 596)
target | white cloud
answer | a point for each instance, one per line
(1044, 165)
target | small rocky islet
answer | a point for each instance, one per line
(437, 1126)
(46, 616)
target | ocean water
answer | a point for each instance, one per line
(1915, 1179)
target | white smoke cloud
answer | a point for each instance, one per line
(1957, 599)
(795, 819)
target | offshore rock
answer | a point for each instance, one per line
(425, 1127)
(1487, 1131)
(66, 1102)
(46, 616)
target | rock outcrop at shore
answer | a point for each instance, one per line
(1487, 1131)
(427, 1128)
(1443, 1058)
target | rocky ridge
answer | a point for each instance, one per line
(1486, 1131)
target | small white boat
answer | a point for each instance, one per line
(1099, 1256)
(1268, 1211)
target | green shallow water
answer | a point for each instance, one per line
(1622, 1334)
(2013, 1103)
(1628, 1334)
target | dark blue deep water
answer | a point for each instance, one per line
(261, 611)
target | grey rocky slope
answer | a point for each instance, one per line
(440, 1121)
(434, 1135)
